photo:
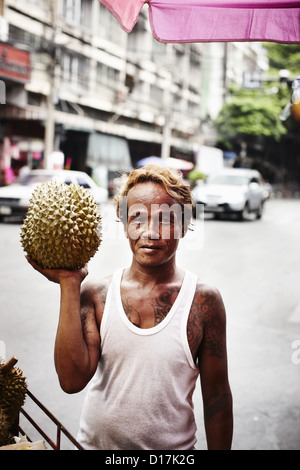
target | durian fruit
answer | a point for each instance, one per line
(6, 437)
(62, 228)
(13, 390)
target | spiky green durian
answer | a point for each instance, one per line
(62, 228)
(12, 391)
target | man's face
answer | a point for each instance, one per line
(154, 224)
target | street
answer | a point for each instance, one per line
(256, 267)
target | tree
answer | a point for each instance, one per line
(284, 56)
(251, 119)
(256, 113)
(251, 113)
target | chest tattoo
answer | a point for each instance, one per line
(163, 304)
(204, 327)
(157, 308)
(132, 313)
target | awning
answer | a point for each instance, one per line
(215, 20)
(126, 12)
(27, 112)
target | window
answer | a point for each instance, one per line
(156, 94)
(75, 69)
(193, 109)
(159, 54)
(44, 4)
(25, 37)
(107, 75)
(78, 12)
(71, 11)
(109, 28)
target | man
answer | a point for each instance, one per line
(143, 335)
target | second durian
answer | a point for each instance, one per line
(62, 228)
(13, 389)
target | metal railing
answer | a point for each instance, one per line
(60, 429)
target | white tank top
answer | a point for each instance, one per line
(141, 394)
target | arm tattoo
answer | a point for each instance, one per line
(87, 312)
(214, 330)
(195, 327)
(87, 318)
(83, 320)
(220, 404)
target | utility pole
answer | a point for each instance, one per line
(167, 128)
(50, 119)
(166, 137)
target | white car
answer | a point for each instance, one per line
(14, 199)
(232, 191)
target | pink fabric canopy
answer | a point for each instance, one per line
(212, 21)
(126, 11)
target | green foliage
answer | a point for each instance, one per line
(195, 175)
(255, 113)
(284, 56)
(252, 113)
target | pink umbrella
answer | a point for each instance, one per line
(215, 20)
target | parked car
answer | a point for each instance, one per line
(14, 199)
(232, 191)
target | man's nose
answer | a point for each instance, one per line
(151, 231)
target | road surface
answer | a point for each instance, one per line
(254, 264)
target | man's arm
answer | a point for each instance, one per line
(212, 357)
(77, 344)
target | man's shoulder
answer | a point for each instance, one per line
(94, 287)
(206, 289)
(208, 299)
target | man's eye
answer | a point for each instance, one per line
(139, 220)
(165, 219)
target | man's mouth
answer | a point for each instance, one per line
(150, 247)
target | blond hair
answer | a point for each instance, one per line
(171, 181)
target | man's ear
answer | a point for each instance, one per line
(184, 230)
(187, 217)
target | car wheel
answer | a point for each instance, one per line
(244, 214)
(198, 211)
(259, 211)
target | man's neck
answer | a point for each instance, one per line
(146, 275)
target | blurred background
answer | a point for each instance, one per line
(77, 93)
(82, 94)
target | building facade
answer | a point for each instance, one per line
(102, 97)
